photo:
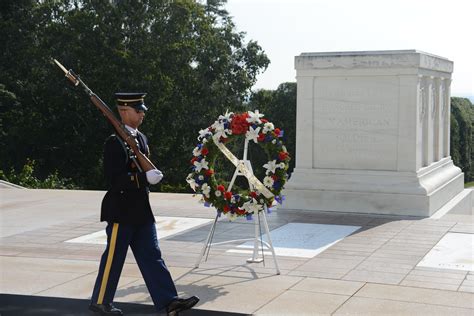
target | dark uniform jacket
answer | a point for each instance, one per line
(126, 200)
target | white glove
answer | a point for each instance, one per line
(154, 176)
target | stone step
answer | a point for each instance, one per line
(461, 204)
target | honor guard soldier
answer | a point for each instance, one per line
(130, 221)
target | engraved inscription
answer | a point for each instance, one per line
(356, 123)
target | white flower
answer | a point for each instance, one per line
(217, 125)
(201, 165)
(204, 140)
(274, 141)
(206, 189)
(218, 193)
(203, 133)
(268, 127)
(254, 117)
(220, 132)
(270, 166)
(281, 165)
(201, 177)
(268, 182)
(252, 134)
(196, 151)
(252, 207)
(191, 182)
(232, 199)
(226, 116)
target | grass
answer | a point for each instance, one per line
(469, 184)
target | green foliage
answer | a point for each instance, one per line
(187, 55)
(462, 138)
(26, 178)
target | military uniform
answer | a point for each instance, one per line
(126, 201)
(130, 222)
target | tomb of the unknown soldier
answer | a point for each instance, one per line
(373, 135)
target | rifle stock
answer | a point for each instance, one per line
(144, 163)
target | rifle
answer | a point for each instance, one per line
(141, 161)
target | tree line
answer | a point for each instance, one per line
(187, 55)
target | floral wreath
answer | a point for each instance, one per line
(228, 127)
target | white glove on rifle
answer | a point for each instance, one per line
(154, 176)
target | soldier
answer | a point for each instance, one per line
(130, 221)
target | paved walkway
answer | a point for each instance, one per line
(373, 271)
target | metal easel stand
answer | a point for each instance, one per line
(258, 239)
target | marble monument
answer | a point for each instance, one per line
(373, 131)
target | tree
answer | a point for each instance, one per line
(462, 140)
(187, 55)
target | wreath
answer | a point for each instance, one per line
(238, 203)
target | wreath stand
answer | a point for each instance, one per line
(258, 228)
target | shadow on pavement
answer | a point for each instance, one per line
(19, 305)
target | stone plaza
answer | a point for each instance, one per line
(384, 267)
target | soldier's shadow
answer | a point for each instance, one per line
(193, 282)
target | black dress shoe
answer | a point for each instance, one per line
(181, 304)
(105, 309)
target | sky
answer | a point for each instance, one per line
(287, 28)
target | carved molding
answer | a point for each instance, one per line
(421, 98)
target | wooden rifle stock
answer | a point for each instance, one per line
(143, 162)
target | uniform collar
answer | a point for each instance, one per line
(132, 130)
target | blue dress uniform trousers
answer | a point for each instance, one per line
(144, 244)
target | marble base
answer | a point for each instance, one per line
(453, 251)
(375, 192)
(301, 239)
(166, 226)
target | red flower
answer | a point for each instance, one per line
(253, 194)
(209, 172)
(277, 132)
(274, 177)
(264, 120)
(221, 188)
(193, 160)
(228, 195)
(261, 137)
(240, 211)
(239, 124)
(283, 155)
(204, 151)
(226, 208)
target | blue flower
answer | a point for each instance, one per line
(280, 198)
(198, 181)
(207, 204)
(249, 217)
